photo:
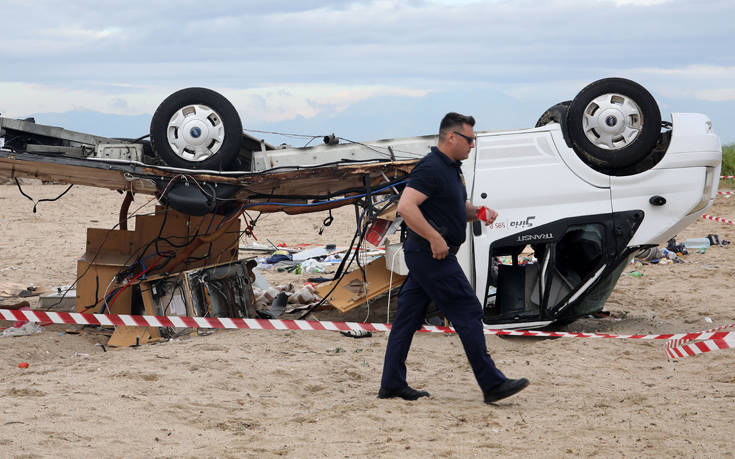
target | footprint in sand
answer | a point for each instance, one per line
(24, 392)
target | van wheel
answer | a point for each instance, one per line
(196, 128)
(613, 124)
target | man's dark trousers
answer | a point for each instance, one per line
(444, 282)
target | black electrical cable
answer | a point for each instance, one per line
(36, 203)
(354, 256)
(389, 184)
(96, 254)
(369, 209)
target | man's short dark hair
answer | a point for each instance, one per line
(454, 121)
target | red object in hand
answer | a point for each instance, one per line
(483, 214)
(23, 365)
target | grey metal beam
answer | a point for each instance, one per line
(53, 131)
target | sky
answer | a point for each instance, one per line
(363, 69)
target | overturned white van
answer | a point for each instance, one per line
(599, 178)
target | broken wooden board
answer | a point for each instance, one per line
(352, 292)
(390, 213)
(133, 336)
(255, 189)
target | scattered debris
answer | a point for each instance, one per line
(271, 303)
(278, 306)
(319, 280)
(28, 328)
(697, 243)
(657, 255)
(260, 281)
(15, 305)
(714, 239)
(16, 290)
(679, 249)
(278, 255)
(29, 291)
(380, 229)
(310, 253)
(305, 295)
(357, 333)
(361, 285)
(63, 298)
(311, 266)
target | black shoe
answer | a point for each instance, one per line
(407, 393)
(505, 389)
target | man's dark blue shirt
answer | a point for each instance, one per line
(440, 178)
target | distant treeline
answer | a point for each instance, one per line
(728, 159)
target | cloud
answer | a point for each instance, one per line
(714, 83)
(716, 95)
(277, 59)
(80, 33)
(640, 2)
(693, 71)
(269, 103)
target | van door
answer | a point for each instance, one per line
(522, 177)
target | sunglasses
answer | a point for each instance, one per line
(470, 140)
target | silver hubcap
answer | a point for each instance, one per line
(195, 132)
(612, 121)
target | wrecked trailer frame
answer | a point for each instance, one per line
(247, 188)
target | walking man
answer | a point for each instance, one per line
(435, 208)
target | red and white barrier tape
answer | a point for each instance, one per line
(727, 177)
(681, 347)
(675, 346)
(699, 347)
(718, 219)
(726, 192)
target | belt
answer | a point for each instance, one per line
(426, 245)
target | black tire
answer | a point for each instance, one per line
(621, 155)
(555, 114)
(219, 152)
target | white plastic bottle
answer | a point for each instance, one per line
(697, 243)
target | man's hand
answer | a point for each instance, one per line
(490, 214)
(439, 248)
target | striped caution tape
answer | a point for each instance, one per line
(726, 192)
(699, 347)
(713, 340)
(718, 219)
(727, 177)
(676, 343)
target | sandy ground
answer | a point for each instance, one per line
(304, 394)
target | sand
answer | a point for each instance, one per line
(312, 394)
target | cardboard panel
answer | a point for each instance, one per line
(132, 336)
(94, 281)
(109, 241)
(352, 292)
